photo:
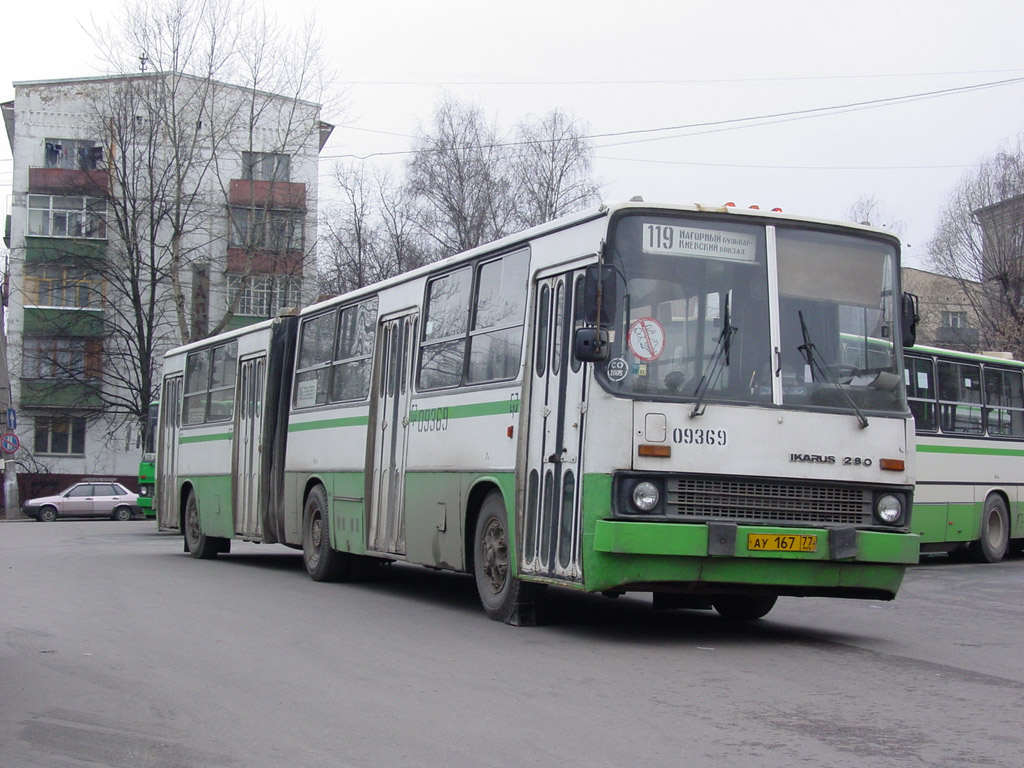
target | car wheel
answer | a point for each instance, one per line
(995, 532)
(200, 546)
(47, 515)
(743, 607)
(322, 562)
(503, 596)
(122, 514)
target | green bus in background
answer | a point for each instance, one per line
(969, 416)
(147, 467)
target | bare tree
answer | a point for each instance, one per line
(460, 179)
(980, 239)
(551, 168)
(872, 212)
(224, 92)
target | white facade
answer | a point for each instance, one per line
(86, 161)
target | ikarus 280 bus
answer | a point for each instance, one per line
(635, 398)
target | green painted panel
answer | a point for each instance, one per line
(348, 510)
(930, 522)
(970, 450)
(60, 394)
(185, 439)
(214, 497)
(65, 250)
(349, 421)
(77, 323)
(964, 522)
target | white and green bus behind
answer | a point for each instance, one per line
(969, 414)
(636, 398)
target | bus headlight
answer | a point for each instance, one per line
(645, 496)
(889, 509)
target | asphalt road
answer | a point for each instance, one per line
(116, 649)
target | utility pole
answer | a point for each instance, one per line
(12, 505)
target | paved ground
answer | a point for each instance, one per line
(118, 650)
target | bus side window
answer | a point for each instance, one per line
(1004, 402)
(920, 380)
(316, 349)
(960, 398)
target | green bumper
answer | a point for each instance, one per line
(627, 555)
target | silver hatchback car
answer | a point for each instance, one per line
(89, 498)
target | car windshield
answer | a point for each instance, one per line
(693, 317)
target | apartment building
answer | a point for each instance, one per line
(146, 211)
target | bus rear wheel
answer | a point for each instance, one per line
(744, 607)
(995, 532)
(322, 562)
(503, 596)
(198, 544)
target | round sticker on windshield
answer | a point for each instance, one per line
(617, 369)
(647, 339)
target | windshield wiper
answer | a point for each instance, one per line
(807, 348)
(715, 369)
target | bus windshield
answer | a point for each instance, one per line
(693, 315)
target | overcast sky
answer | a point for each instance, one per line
(629, 67)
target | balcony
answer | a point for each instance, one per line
(60, 393)
(58, 321)
(68, 181)
(267, 194)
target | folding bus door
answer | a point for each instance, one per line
(551, 513)
(394, 374)
(166, 498)
(246, 474)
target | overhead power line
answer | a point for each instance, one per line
(733, 123)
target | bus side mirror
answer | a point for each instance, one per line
(590, 345)
(909, 316)
(599, 290)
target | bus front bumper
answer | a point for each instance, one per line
(702, 558)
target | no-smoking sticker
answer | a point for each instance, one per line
(647, 339)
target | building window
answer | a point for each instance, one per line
(264, 295)
(67, 216)
(265, 166)
(263, 229)
(61, 358)
(47, 285)
(954, 319)
(62, 435)
(73, 154)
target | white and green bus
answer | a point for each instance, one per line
(969, 415)
(636, 398)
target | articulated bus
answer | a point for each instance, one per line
(636, 398)
(147, 465)
(969, 415)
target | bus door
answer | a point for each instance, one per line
(249, 446)
(394, 366)
(551, 511)
(166, 499)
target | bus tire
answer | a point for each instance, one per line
(503, 596)
(995, 532)
(322, 562)
(743, 607)
(198, 544)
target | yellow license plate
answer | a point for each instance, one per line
(782, 542)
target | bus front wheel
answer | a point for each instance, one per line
(744, 607)
(322, 562)
(995, 532)
(503, 596)
(198, 544)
